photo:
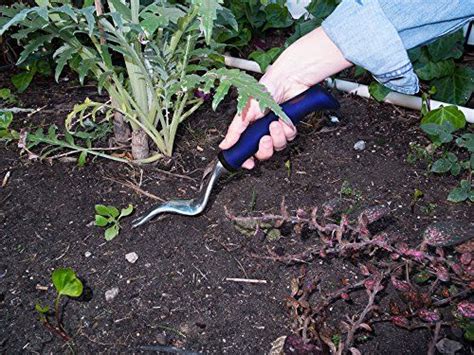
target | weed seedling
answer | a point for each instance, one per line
(7, 96)
(288, 167)
(109, 218)
(66, 283)
(6, 133)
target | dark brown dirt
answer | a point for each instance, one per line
(177, 293)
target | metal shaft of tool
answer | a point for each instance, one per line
(186, 207)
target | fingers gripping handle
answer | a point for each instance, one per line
(314, 99)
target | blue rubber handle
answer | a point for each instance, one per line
(314, 99)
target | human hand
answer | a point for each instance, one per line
(306, 62)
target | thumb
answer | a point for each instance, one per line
(239, 124)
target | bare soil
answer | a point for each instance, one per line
(177, 294)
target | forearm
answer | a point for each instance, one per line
(309, 60)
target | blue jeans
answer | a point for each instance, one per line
(376, 34)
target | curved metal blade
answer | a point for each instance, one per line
(190, 207)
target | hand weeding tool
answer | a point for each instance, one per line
(314, 99)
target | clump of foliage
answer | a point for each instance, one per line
(253, 17)
(34, 64)
(67, 284)
(167, 51)
(257, 16)
(7, 97)
(426, 286)
(456, 149)
(7, 134)
(109, 218)
(436, 64)
(78, 142)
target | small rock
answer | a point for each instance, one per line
(111, 294)
(131, 257)
(334, 119)
(161, 339)
(448, 347)
(87, 254)
(3, 271)
(359, 145)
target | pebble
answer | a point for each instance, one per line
(334, 119)
(131, 257)
(111, 294)
(87, 254)
(359, 145)
(3, 271)
(448, 347)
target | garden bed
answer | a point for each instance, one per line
(176, 293)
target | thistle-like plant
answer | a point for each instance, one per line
(150, 60)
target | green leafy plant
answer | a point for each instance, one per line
(442, 126)
(436, 64)
(7, 134)
(109, 217)
(253, 17)
(68, 284)
(167, 51)
(265, 58)
(22, 80)
(53, 143)
(7, 97)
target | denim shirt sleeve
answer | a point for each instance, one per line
(376, 34)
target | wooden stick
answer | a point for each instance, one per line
(250, 281)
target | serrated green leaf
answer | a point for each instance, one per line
(66, 282)
(19, 17)
(111, 232)
(67, 10)
(22, 81)
(378, 91)
(126, 211)
(220, 93)
(207, 12)
(121, 8)
(88, 12)
(441, 166)
(247, 87)
(63, 54)
(33, 46)
(152, 22)
(101, 221)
